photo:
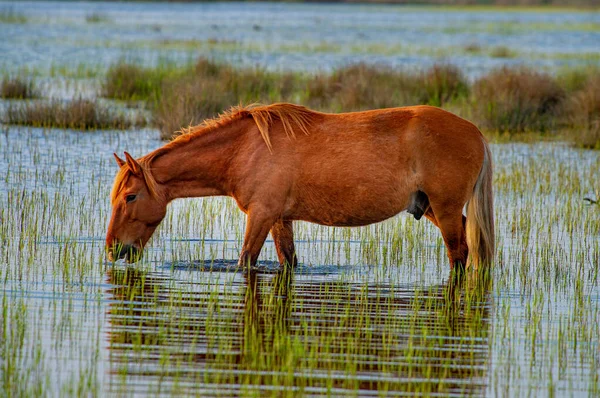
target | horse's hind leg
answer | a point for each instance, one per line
(431, 217)
(450, 221)
(283, 236)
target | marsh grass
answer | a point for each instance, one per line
(209, 89)
(517, 100)
(10, 15)
(583, 110)
(506, 102)
(129, 81)
(97, 17)
(18, 88)
(502, 52)
(81, 114)
(370, 311)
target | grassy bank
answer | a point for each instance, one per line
(507, 101)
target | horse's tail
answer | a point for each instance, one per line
(480, 215)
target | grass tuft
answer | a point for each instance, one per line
(9, 15)
(81, 114)
(583, 109)
(18, 88)
(442, 84)
(517, 100)
(96, 17)
(132, 82)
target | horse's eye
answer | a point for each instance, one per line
(129, 198)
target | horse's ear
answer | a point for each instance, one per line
(120, 161)
(133, 165)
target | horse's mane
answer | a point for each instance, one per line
(292, 117)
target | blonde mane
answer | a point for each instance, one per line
(292, 117)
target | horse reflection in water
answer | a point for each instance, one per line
(288, 331)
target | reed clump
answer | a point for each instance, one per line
(96, 17)
(517, 100)
(443, 84)
(583, 110)
(10, 15)
(18, 88)
(209, 88)
(130, 82)
(359, 87)
(362, 86)
(81, 114)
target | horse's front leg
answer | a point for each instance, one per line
(258, 224)
(283, 236)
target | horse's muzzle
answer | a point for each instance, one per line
(130, 253)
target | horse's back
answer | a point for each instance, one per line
(363, 167)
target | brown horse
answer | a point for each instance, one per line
(284, 162)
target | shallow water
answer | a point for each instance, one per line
(292, 36)
(369, 311)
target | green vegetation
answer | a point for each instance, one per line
(9, 15)
(509, 101)
(512, 102)
(376, 310)
(96, 17)
(18, 88)
(82, 114)
(517, 100)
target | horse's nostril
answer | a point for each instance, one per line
(118, 251)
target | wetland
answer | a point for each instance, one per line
(371, 311)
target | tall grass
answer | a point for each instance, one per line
(583, 109)
(209, 88)
(18, 88)
(127, 81)
(517, 100)
(10, 15)
(82, 114)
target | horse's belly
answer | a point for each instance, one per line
(355, 206)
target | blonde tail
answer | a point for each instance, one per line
(480, 216)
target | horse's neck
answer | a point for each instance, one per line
(199, 167)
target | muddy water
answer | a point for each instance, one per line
(370, 311)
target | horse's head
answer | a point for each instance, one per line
(138, 206)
